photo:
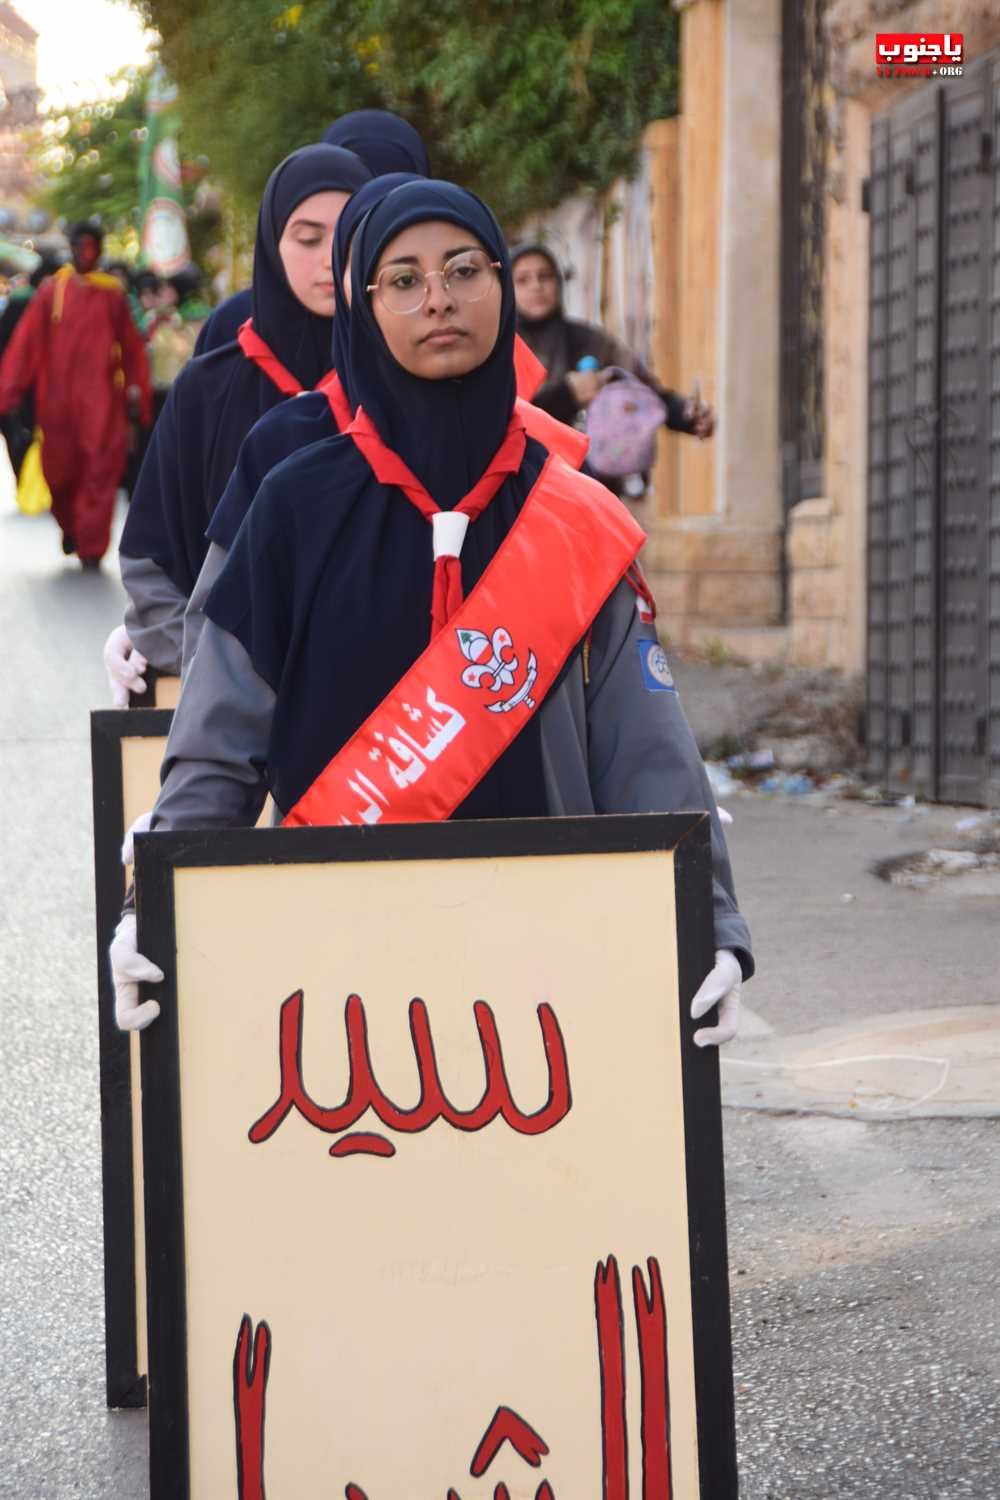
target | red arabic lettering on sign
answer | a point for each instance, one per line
(508, 1427)
(651, 1325)
(364, 1093)
(252, 1361)
(651, 1328)
(910, 53)
(251, 1364)
(611, 1352)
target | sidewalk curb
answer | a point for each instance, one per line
(909, 1065)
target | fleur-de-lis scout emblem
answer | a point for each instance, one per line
(495, 666)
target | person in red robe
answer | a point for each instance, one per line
(81, 354)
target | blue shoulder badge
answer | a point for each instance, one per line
(656, 674)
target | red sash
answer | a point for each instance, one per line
(557, 436)
(453, 714)
(255, 349)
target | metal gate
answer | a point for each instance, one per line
(934, 441)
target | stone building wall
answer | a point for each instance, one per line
(686, 268)
(715, 550)
(682, 262)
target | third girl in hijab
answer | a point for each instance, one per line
(218, 397)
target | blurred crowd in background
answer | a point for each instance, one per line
(169, 313)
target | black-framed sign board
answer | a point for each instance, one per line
(126, 751)
(433, 1169)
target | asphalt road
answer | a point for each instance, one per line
(864, 1256)
(56, 1438)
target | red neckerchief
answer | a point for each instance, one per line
(255, 349)
(556, 436)
(389, 468)
(335, 394)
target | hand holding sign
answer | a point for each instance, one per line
(722, 987)
(129, 969)
(124, 666)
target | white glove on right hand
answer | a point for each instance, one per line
(722, 988)
(124, 666)
(129, 969)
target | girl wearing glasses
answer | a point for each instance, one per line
(295, 424)
(435, 560)
(218, 397)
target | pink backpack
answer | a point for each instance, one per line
(622, 421)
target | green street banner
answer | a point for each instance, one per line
(164, 234)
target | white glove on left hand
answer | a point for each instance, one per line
(124, 666)
(722, 988)
(141, 825)
(129, 969)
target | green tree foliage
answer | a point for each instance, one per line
(90, 156)
(525, 101)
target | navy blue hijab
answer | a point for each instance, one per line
(369, 197)
(384, 141)
(386, 144)
(328, 583)
(217, 398)
(300, 339)
(308, 419)
(410, 413)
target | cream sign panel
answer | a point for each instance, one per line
(433, 1175)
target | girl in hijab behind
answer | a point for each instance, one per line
(289, 427)
(336, 600)
(217, 398)
(386, 143)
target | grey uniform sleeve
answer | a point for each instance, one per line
(642, 754)
(194, 615)
(154, 616)
(214, 766)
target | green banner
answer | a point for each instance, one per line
(164, 234)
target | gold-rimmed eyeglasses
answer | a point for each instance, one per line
(403, 289)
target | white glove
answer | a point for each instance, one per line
(725, 818)
(722, 988)
(141, 825)
(128, 969)
(124, 666)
